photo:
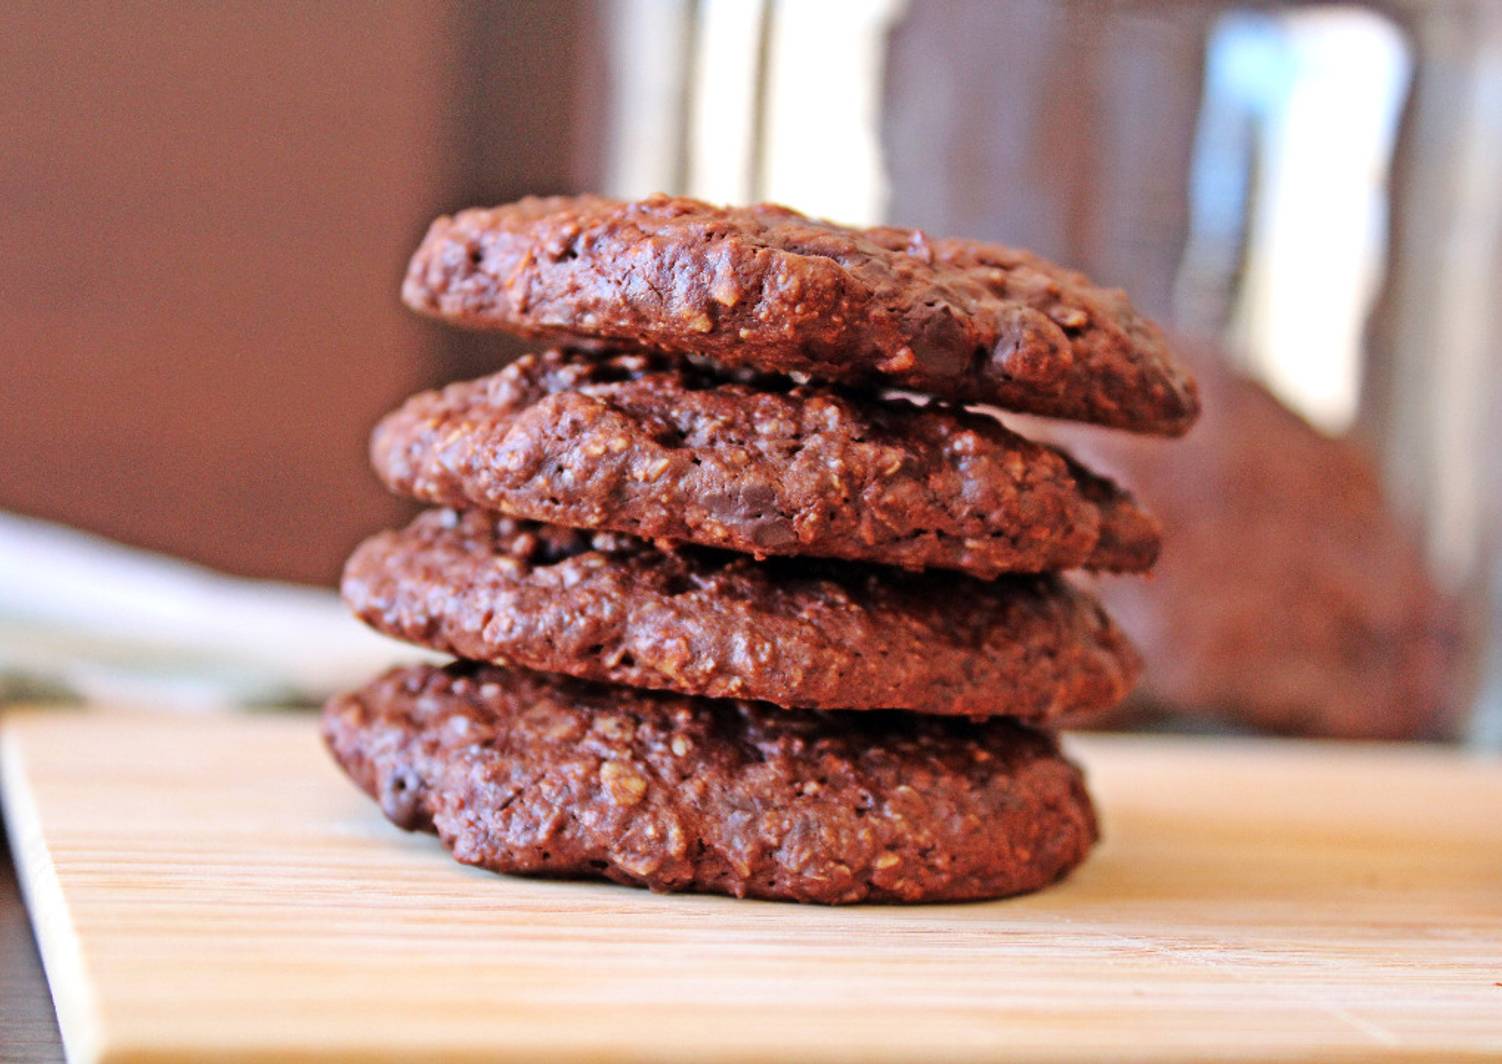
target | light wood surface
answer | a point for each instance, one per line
(213, 888)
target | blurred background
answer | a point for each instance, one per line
(208, 208)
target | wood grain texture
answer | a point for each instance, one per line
(214, 888)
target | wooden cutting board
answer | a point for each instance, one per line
(213, 888)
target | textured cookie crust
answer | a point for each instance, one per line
(766, 287)
(822, 635)
(523, 773)
(633, 444)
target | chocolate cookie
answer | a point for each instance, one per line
(631, 444)
(523, 773)
(1293, 597)
(766, 287)
(797, 632)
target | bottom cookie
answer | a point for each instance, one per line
(527, 773)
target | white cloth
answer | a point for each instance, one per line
(84, 616)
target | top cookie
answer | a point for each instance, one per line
(768, 288)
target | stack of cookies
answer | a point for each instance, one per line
(746, 598)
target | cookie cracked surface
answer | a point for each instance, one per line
(635, 444)
(795, 632)
(523, 773)
(768, 288)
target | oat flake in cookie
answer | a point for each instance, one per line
(523, 773)
(768, 288)
(797, 632)
(633, 443)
